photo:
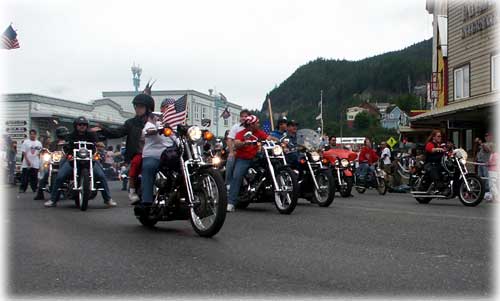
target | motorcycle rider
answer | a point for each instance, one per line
(61, 133)
(291, 152)
(230, 145)
(144, 105)
(245, 152)
(433, 155)
(367, 157)
(80, 133)
(281, 128)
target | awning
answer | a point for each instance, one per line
(470, 104)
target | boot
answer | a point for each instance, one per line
(39, 195)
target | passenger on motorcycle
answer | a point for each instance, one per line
(280, 130)
(245, 152)
(291, 151)
(57, 145)
(433, 155)
(366, 158)
(80, 133)
(230, 146)
(143, 105)
(154, 146)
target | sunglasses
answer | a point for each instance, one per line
(81, 124)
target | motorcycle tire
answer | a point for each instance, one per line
(292, 196)
(219, 204)
(330, 194)
(360, 190)
(144, 219)
(84, 193)
(423, 200)
(478, 190)
(241, 205)
(345, 191)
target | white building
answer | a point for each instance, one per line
(199, 106)
(353, 111)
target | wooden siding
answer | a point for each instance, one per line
(476, 50)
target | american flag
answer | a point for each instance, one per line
(225, 114)
(9, 38)
(266, 126)
(175, 113)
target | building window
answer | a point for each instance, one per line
(235, 120)
(495, 74)
(204, 111)
(196, 112)
(461, 84)
(226, 122)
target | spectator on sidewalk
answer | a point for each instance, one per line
(31, 162)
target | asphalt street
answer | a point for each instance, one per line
(363, 246)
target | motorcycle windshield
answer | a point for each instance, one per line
(309, 139)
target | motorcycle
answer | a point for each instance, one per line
(468, 187)
(375, 178)
(187, 187)
(85, 186)
(269, 177)
(51, 162)
(315, 179)
(343, 167)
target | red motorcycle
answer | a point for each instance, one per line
(342, 162)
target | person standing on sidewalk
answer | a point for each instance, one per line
(11, 162)
(31, 162)
(483, 156)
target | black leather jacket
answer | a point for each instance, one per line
(133, 130)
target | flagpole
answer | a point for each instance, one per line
(270, 113)
(321, 112)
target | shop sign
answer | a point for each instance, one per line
(16, 122)
(16, 129)
(461, 124)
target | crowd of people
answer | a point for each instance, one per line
(143, 149)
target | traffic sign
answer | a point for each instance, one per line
(16, 122)
(16, 130)
(391, 142)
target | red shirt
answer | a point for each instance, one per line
(368, 155)
(248, 152)
(429, 146)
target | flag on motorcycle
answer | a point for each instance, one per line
(175, 112)
(225, 114)
(9, 38)
(266, 126)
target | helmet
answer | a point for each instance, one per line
(80, 120)
(250, 120)
(62, 132)
(146, 100)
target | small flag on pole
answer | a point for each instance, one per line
(175, 113)
(266, 126)
(9, 38)
(226, 114)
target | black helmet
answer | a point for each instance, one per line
(62, 132)
(80, 120)
(146, 100)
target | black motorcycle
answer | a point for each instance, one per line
(468, 187)
(315, 179)
(84, 185)
(187, 187)
(269, 177)
(375, 178)
(51, 162)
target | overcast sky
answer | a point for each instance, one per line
(77, 49)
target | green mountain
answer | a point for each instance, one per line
(383, 78)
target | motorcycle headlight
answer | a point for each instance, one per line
(83, 153)
(56, 156)
(194, 133)
(216, 160)
(315, 156)
(460, 154)
(463, 161)
(277, 150)
(344, 163)
(46, 157)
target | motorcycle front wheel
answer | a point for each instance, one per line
(382, 186)
(210, 203)
(84, 192)
(286, 199)
(325, 194)
(475, 196)
(345, 190)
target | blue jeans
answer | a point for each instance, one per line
(363, 171)
(150, 167)
(229, 169)
(241, 167)
(66, 170)
(482, 171)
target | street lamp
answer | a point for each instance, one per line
(136, 72)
